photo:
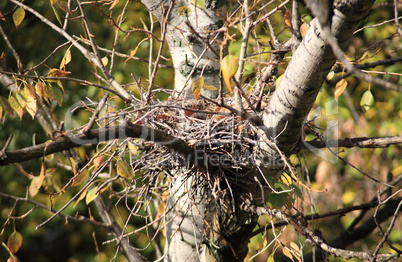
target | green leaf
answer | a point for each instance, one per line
(297, 191)
(14, 242)
(124, 170)
(18, 17)
(91, 195)
(53, 2)
(277, 200)
(200, 3)
(367, 101)
(58, 95)
(80, 177)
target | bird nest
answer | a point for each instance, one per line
(223, 142)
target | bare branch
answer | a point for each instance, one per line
(336, 250)
(90, 56)
(362, 142)
(77, 218)
(65, 142)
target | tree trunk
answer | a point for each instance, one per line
(198, 229)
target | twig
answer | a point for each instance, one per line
(3, 151)
(15, 54)
(90, 56)
(316, 239)
(91, 122)
(164, 23)
(243, 55)
(77, 218)
(351, 68)
(80, 81)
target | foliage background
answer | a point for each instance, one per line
(72, 241)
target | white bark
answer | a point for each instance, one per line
(190, 38)
(305, 74)
(283, 117)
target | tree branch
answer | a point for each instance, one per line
(66, 141)
(91, 57)
(333, 248)
(362, 142)
(305, 74)
(77, 218)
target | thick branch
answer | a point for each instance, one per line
(65, 142)
(362, 142)
(305, 74)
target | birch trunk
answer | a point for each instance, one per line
(283, 120)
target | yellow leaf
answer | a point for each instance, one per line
(30, 95)
(66, 59)
(18, 17)
(14, 242)
(37, 182)
(124, 170)
(287, 253)
(31, 106)
(73, 165)
(229, 66)
(339, 88)
(196, 87)
(39, 89)
(294, 247)
(105, 61)
(18, 103)
(133, 52)
(288, 18)
(210, 87)
(53, 2)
